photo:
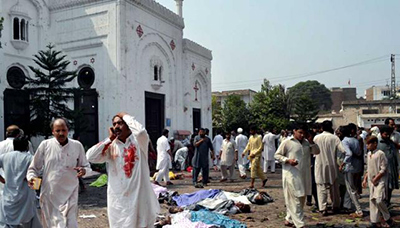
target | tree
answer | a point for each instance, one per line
(48, 94)
(314, 90)
(305, 110)
(235, 113)
(270, 108)
(217, 117)
(1, 27)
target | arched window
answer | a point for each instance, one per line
(86, 77)
(27, 30)
(23, 31)
(155, 73)
(160, 73)
(16, 28)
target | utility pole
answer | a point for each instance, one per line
(393, 78)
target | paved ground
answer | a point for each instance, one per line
(94, 202)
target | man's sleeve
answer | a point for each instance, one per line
(100, 152)
(280, 154)
(383, 163)
(210, 145)
(138, 131)
(82, 161)
(348, 151)
(37, 163)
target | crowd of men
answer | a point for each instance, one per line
(317, 163)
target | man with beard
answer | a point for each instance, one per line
(392, 155)
(201, 161)
(63, 161)
(294, 154)
(130, 198)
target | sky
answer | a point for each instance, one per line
(288, 41)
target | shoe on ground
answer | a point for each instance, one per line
(356, 215)
(324, 213)
(170, 183)
(198, 186)
(309, 204)
(223, 180)
(289, 224)
(264, 182)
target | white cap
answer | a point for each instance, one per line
(240, 130)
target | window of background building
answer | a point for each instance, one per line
(370, 111)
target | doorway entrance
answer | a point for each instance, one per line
(196, 119)
(154, 114)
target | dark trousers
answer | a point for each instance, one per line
(389, 196)
(204, 172)
(313, 189)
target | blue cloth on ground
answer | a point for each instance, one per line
(191, 198)
(209, 217)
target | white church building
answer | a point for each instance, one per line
(130, 56)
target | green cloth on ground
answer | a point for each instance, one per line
(100, 182)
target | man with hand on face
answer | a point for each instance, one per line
(200, 161)
(63, 161)
(130, 198)
(294, 154)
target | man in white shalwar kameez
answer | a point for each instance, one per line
(217, 143)
(375, 178)
(18, 204)
(228, 158)
(241, 143)
(294, 154)
(131, 202)
(63, 160)
(269, 151)
(6, 145)
(163, 159)
(326, 168)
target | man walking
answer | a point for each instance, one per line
(295, 154)
(228, 158)
(352, 166)
(18, 204)
(130, 198)
(241, 143)
(392, 155)
(63, 161)
(269, 151)
(201, 157)
(254, 148)
(163, 159)
(217, 143)
(326, 168)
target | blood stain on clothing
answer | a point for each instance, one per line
(130, 157)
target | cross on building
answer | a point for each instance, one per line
(196, 88)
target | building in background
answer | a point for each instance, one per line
(130, 56)
(375, 93)
(247, 95)
(338, 95)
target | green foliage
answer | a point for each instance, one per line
(314, 90)
(1, 27)
(235, 113)
(217, 117)
(48, 95)
(305, 109)
(270, 107)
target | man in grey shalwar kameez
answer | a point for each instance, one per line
(18, 204)
(389, 148)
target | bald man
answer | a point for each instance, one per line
(63, 160)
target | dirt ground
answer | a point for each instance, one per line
(94, 202)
